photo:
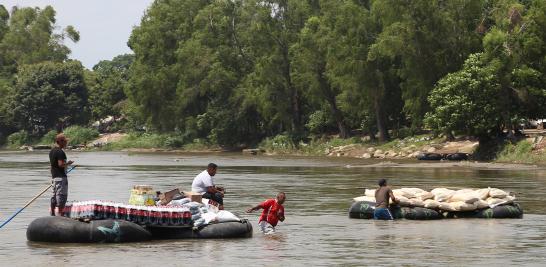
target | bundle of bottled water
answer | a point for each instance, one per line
(143, 215)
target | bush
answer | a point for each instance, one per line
(18, 139)
(318, 122)
(174, 142)
(48, 138)
(280, 143)
(80, 135)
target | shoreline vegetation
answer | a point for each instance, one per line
(529, 150)
(363, 79)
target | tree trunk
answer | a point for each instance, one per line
(381, 121)
(331, 99)
(294, 94)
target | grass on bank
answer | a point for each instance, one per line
(520, 152)
(283, 144)
(158, 141)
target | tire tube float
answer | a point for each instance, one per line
(416, 213)
(365, 209)
(65, 230)
(234, 229)
(511, 211)
(457, 156)
(429, 156)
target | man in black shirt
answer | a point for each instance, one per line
(57, 158)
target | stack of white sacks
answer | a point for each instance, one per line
(204, 213)
(446, 199)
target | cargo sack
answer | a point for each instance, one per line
(442, 194)
(369, 192)
(466, 195)
(432, 204)
(424, 195)
(497, 193)
(365, 198)
(483, 193)
(362, 210)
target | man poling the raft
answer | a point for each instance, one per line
(59, 165)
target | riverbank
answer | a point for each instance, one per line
(530, 150)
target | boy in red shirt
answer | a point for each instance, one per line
(272, 213)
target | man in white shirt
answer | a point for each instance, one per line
(204, 184)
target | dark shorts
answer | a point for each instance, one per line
(382, 214)
(60, 191)
(216, 197)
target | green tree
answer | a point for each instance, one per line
(165, 27)
(106, 86)
(431, 38)
(50, 94)
(30, 38)
(467, 101)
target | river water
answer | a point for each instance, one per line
(316, 232)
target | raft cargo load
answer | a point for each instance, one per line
(418, 204)
(101, 221)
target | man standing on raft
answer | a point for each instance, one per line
(204, 184)
(382, 195)
(273, 213)
(57, 159)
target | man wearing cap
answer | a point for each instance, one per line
(204, 184)
(57, 159)
(382, 196)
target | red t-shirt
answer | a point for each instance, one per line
(272, 211)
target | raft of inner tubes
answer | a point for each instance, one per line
(100, 221)
(365, 210)
(66, 230)
(438, 156)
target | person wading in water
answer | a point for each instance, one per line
(273, 213)
(59, 165)
(382, 195)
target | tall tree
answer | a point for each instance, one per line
(431, 39)
(110, 78)
(50, 94)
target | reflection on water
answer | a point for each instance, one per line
(317, 230)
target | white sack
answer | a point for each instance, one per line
(483, 193)
(463, 206)
(481, 204)
(226, 216)
(431, 204)
(424, 195)
(369, 192)
(497, 193)
(442, 194)
(465, 195)
(412, 190)
(415, 202)
(365, 198)
(400, 193)
(446, 206)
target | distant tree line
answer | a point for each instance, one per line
(236, 72)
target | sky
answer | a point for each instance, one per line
(104, 25)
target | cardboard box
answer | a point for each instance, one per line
(193, 196)
(168, 196)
